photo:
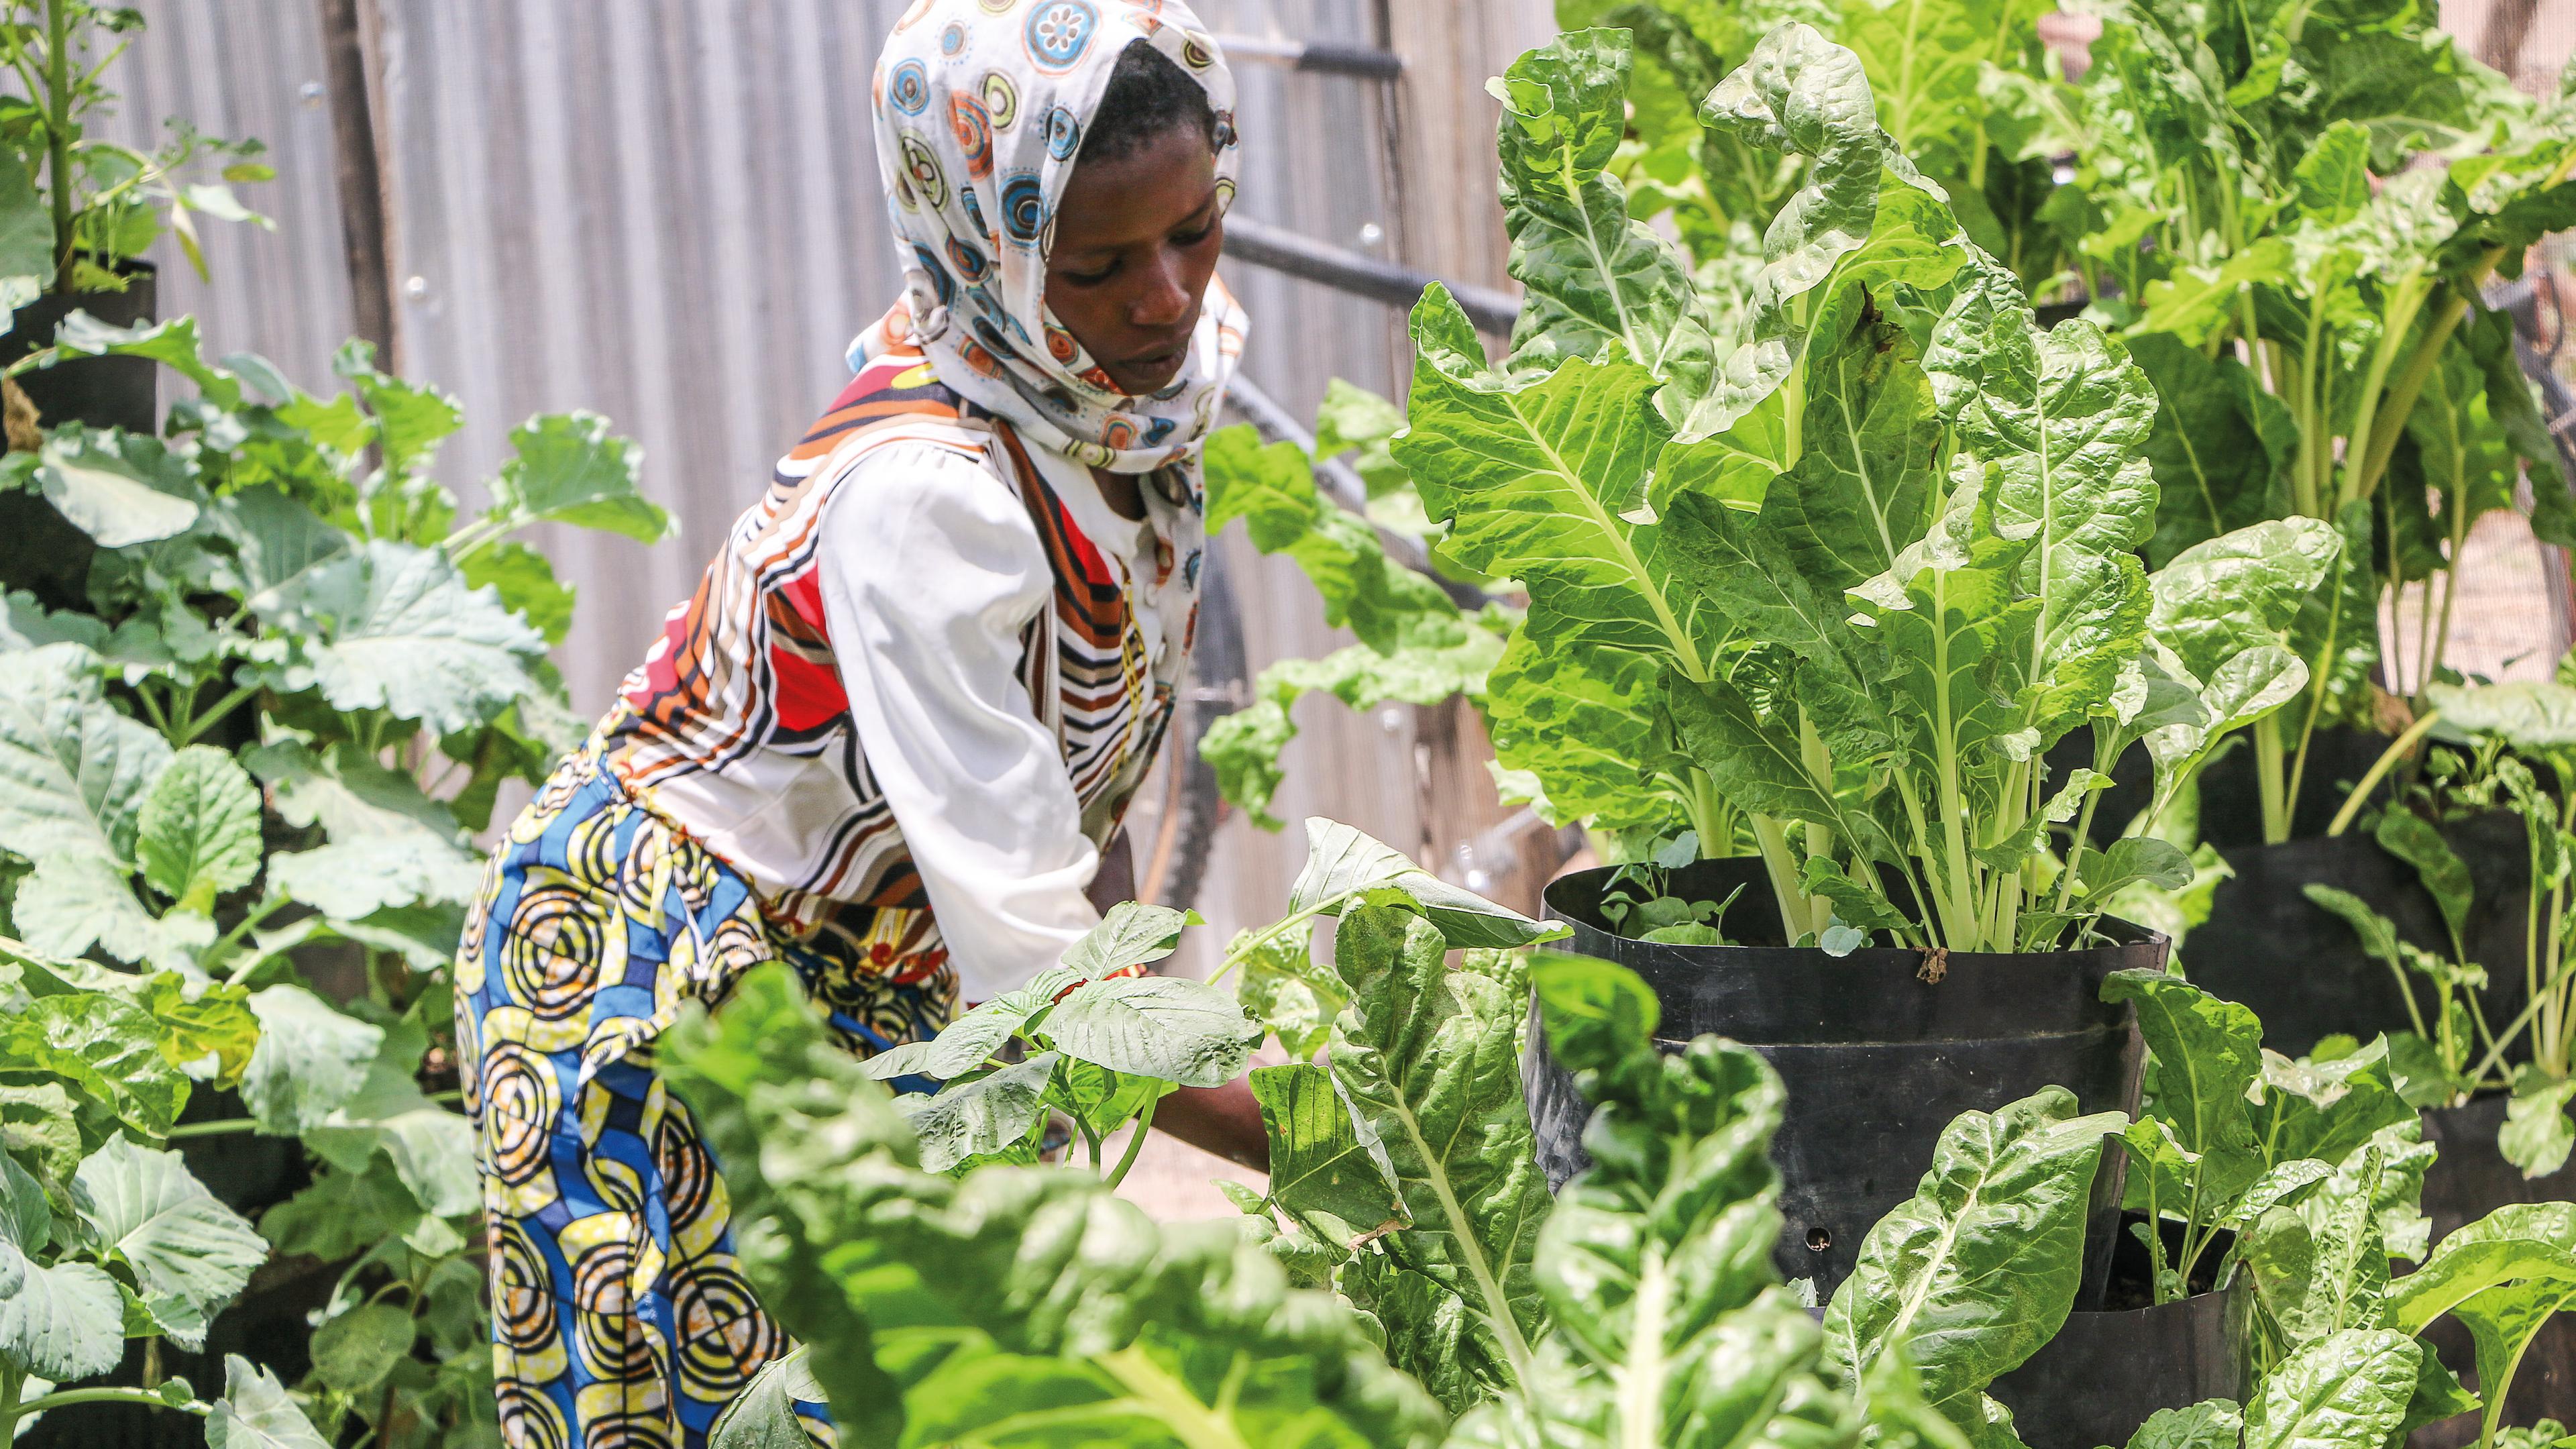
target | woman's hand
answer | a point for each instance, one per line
(1223, 1120)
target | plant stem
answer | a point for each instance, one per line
(2268, 781)
(65, 1398)
(58, 137)
(224, 706)
(233, 938)
(2398, 749)
(1135, 1143)
(216, 1128)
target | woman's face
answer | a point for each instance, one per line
(1136, 239)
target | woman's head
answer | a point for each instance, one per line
(1137, 234)
(1056, 171)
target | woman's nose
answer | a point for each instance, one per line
(1161, 297)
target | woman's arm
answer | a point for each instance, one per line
(930, 575)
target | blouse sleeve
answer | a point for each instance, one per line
(930, 573)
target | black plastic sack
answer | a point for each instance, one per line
(40, 550)
(2104, 1373)
(1879, 1050)
(2468, 1181)
(2303, 971)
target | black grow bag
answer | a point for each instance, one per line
(2303, 971)
(40, 550)
(2106, 1372)
(1876, 1059)
(2468, 1181)
(2266, 945)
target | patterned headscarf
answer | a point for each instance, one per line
(981, 107)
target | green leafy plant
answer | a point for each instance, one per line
(1096, 1045)
(2510, 746)
(2234, 1131)
(243, 735)
(1416, 645)
(1842, 592)
(2314, 1167)
(76, 209)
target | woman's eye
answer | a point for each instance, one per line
(1193, 238)
(1090, 279)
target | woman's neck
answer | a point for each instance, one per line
(1121, 491)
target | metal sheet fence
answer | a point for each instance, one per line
(667, 211)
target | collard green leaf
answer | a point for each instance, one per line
(2346, 1389)
(310, 1061)
(257, 1413)
(187, 1250)
(2502, 1322)
(527, 585)
(354, 879)
(395, 627)
(355, 1350)
(200, 829)
(348, 794)
(62, 1321)
(1342, 863)
(1131, 934)
(1979, 1267)
(104, 1047)
(430, 1147)
(1322, 1174)
(73, 770)
(118, 488)
(569, 468)
(988, 1114)
(1428, 1057)
(1155, 1026)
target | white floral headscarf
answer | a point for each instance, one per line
(981, 107)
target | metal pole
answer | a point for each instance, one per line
(1335, 480)
(366, 217)
(1320, 57)
(1362, 275)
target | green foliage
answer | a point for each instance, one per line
(1979, 1268)
(76, 208)
(214, 744)
(943, 1309)
(1416, 645)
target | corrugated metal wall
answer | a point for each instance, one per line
(667, 211)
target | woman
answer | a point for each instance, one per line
(887, 738)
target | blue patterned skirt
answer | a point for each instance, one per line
(620, 1315)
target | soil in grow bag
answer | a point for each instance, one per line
(1879, 1050)
(2468, 1181)
(2106, 1372)
(2301, 969)
(39, 550)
